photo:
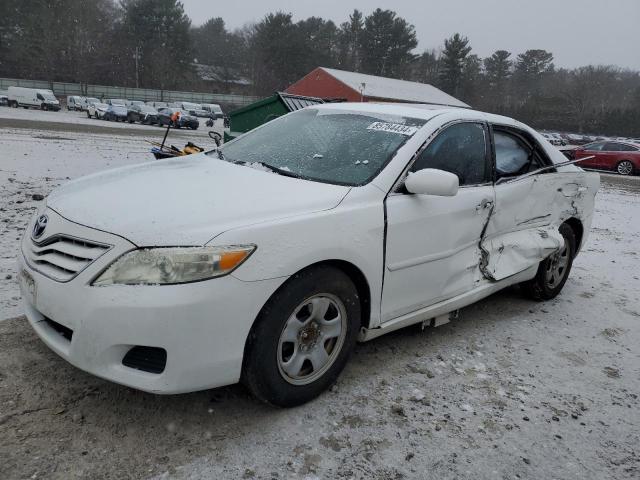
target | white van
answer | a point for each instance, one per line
(76, 102)
(33, 97)
(213, 109)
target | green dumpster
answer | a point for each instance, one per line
(253, 115)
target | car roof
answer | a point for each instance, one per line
(417, 110)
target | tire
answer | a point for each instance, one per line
(625, 167)
(278, 367)
(554, 270)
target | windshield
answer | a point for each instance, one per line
(334, 146)
(147, 109)
(190, 106)
(117, 101)
(49, 97)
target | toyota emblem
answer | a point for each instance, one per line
(39, 227)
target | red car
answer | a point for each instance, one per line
(623, 157)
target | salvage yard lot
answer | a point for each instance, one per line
(511, 389)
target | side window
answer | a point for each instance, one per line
(619, 147)
(40, 97)
(513, 155)
(611, 147)
(594, 147)
(459, 149)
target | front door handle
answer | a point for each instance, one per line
(486, 203)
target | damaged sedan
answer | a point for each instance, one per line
(265, 261)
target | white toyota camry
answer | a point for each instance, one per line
(266, 260)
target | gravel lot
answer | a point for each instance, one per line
(512, 389)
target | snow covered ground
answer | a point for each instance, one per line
(512, 389)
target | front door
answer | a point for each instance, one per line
(432, 242)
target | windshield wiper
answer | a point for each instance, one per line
(271, 168)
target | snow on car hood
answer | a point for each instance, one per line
(187, 201)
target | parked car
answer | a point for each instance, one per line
(116, 112)
(89, 101)
(143, 114)
(186, 120)
(116, 101)
(158, 105)
(76, 102)
(275, 253)
(97, 110)
(554, 139)
(4, 98)
(193, 109)
(32, 97)
(622, 157)
(213, 109)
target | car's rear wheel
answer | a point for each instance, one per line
(625, 167)
(554, 270)
(302, 338)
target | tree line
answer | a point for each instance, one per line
(153, 44)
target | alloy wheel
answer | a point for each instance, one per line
(625, 167)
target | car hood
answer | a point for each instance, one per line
(187, 201)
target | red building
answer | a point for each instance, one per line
(359, 87)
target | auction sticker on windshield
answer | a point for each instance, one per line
(393, 128)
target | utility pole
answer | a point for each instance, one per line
(136, 56)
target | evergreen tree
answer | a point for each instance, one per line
(386, 44)
(156, 46)
(456, 50)
(498, 68)
(349, 39)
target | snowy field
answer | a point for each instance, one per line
(512, 389)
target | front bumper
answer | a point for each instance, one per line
(202, 326)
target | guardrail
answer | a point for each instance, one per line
(144, 94)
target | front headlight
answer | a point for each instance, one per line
(166, 266)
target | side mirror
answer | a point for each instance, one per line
(431, 181)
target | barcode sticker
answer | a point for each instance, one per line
(393, 128)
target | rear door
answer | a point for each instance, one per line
(432, 242)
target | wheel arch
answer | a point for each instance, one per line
(578, 230)
(352, 271)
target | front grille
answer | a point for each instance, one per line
(63, 257)
(147, 359)
(65, 332)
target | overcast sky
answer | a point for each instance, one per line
(578, 32)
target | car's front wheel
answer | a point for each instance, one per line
(625, 167)
(554, 270)
(302, 338)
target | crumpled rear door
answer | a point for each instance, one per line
(523, 227)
